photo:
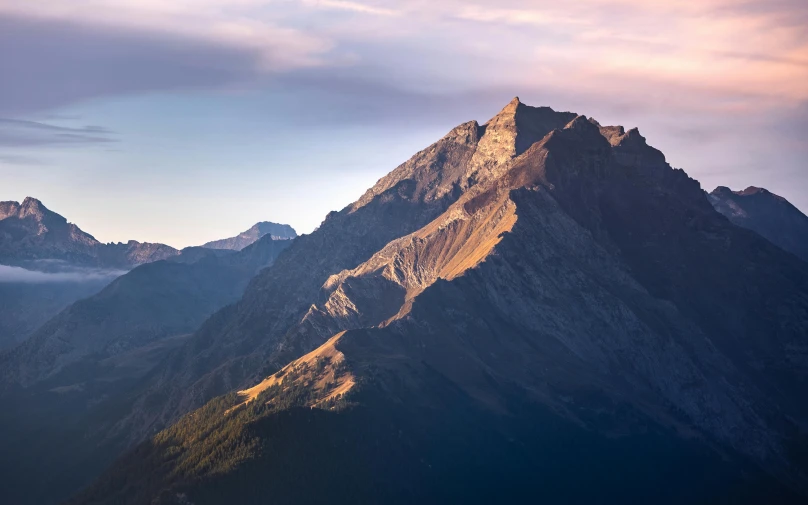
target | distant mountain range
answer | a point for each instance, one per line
(47, 263)
(30, 232)
(535, 309)
(258, 230)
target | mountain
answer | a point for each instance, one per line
(30, 232)
(47, 263)
(79, 369)
(258, 230)
(770, 215)
(535, 309)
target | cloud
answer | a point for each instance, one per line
(351, 6)
(48, 61)
(12, 274)
(23, 133)
(20, 159)
(754, 50)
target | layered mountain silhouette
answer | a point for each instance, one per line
(78, 370)
(29, 231)
(47, 263)
(536, 309)
(768, 214)
(258, 230)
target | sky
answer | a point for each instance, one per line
(186, 121)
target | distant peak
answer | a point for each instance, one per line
(32, 202)
(749, 191)
(32, 207)
(721, 191)
(260, 229)
(753, 190)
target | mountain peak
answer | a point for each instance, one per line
(9, 208)
(724, 191)
(255, 232)
(32, 207)
(518, 126)
(721, 190)
(754, 190)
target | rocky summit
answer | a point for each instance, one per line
(256, 231)
(528, 310)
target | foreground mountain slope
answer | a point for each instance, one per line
(562, 308)
(72, 379)
(258, 230)
(770, 215)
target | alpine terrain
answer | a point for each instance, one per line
(47, 263)
(535, 309)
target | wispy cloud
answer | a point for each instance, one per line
(20, 159)
(352, 6)
(22, 133)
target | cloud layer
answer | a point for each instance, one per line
(20, 133)
(733, 51)
(13, 274)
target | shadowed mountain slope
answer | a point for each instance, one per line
(540, 299)
(764, 212)
(72, 380)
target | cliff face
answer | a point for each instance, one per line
(764, 212)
